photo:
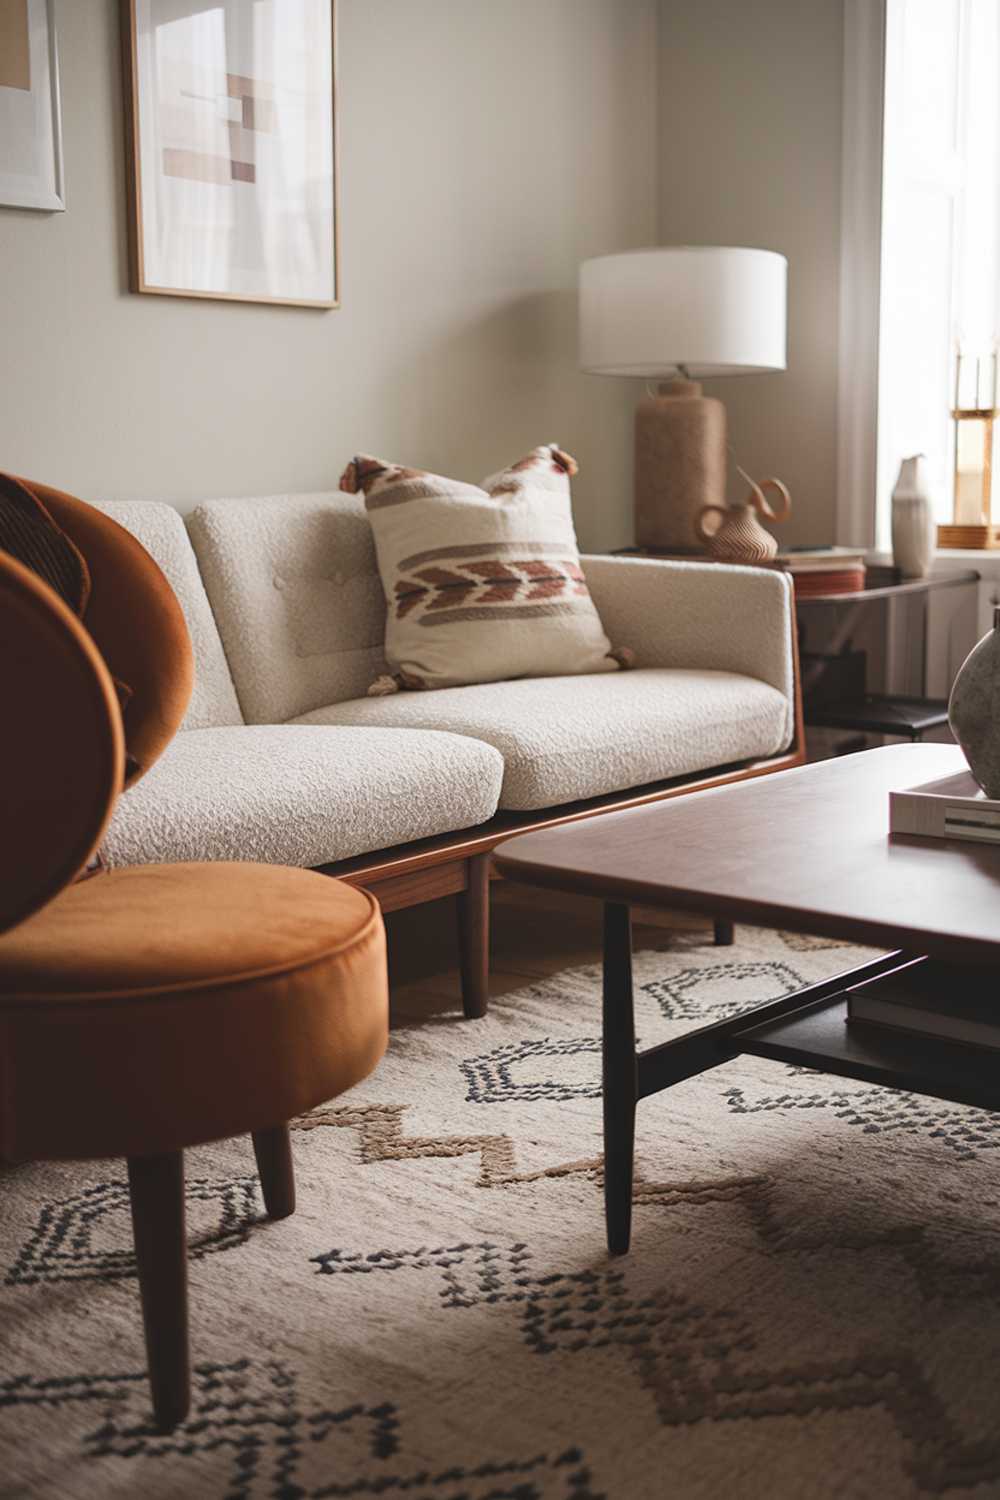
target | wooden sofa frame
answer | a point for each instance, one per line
(460, 864)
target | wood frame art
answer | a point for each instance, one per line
(29, 105)
(461, 865)
(239, 174)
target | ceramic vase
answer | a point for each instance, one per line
(974, 709)
(913, 530)
(738, 536)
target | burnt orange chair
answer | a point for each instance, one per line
(149, 1009)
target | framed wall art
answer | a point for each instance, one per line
(31, 174)
(232, 148)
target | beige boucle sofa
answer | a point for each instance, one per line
(282, 757)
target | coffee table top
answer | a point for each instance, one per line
(806, 849)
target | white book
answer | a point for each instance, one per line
(954, 807)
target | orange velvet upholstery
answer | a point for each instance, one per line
(160, 1006)
(62, 744)
(136, 623)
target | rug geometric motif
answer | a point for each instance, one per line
(65, 1243)
(810, 1309)
(685, 1352)
(878, 1111)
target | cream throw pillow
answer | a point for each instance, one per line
(481, 583)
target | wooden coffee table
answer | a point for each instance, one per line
(808, 850)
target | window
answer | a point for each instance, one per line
(940, 247)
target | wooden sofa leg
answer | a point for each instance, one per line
(474, 937)
(273, 1150)
(723, 933)
(156, 1188)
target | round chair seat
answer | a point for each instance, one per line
(159, 1006)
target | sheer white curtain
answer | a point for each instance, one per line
(940, 259)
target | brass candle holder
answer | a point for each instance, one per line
(974, 413)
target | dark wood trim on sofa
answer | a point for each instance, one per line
(459, 864)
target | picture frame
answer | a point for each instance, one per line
(31, 156)
(232, 152)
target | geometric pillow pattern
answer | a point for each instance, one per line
(482, 583)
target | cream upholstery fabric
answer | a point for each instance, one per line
(700, 615)
(287, 794)
(295, 589)
(566, 738)
(161, 531)
(484, 583)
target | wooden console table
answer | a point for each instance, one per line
(836, 685)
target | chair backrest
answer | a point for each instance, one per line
(295, 590)
(62, 752)
(162, 532)
(136, 624)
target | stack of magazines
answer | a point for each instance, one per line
(927, 998)
(823, 570)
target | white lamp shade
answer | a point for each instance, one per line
(711, 310)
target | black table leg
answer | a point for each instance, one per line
(620, 1074)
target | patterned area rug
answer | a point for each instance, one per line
(811, 1306)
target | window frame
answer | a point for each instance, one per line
(860, 270)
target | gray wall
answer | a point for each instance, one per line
(486, 147)
(750, 121)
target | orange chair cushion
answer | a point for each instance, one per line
(159, 1006)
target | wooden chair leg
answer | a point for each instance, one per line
(474, 937)
(156, 1188)
(273, 1150)
(724, 933)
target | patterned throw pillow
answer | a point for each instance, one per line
(482, 583)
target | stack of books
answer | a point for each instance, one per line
(823, 570)
(926, 998)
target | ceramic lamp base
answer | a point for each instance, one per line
(680, 464)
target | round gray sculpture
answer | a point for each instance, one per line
(974, 709)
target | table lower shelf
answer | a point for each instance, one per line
(820, 1037)
(878, 713)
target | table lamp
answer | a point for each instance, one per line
(685, 312)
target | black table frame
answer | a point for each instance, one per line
(806, 1028)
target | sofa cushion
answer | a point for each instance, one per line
(299, 795)
(295, 589)
(161, 531)
(567, 738)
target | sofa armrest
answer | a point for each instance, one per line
(709, 616)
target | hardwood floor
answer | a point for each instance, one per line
(534, 934)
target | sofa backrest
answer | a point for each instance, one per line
(161, 531)
(294, 586)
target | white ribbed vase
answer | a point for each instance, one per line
(913, 530)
